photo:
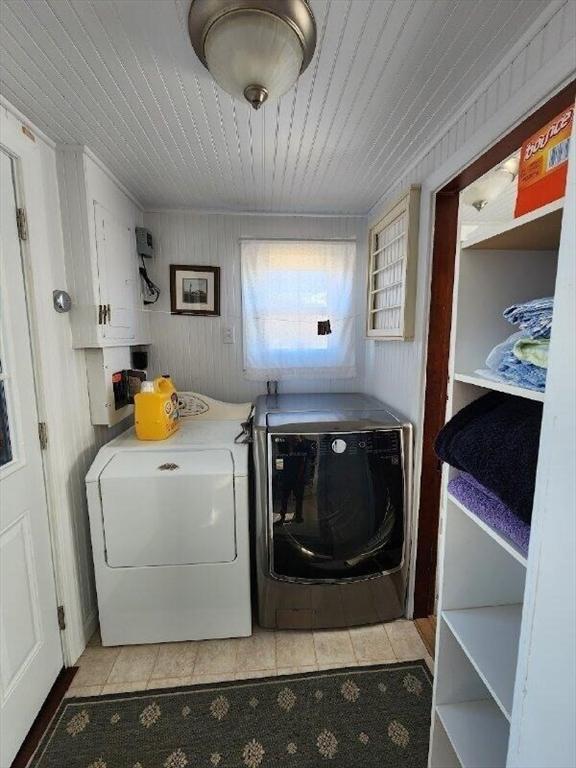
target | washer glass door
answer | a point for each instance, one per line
(337, 504)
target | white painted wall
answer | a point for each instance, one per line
(191, 349)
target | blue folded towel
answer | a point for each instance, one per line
(501, 350)
(534, 317)
(503, 365)
(521, 373)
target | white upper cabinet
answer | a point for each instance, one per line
(98, 219)
(117, 286)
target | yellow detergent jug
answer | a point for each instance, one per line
(156, 409)
(168, 380)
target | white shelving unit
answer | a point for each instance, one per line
(477, 733)
(482, 574)
(489, 637)
(498, 536)
(535, 231)
(499, 386)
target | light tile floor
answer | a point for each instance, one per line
(265, 654)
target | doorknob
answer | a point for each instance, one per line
(61, 301)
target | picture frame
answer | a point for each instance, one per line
(194, 290)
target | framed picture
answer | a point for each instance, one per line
(194, 290)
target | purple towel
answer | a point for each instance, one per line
(488, 507)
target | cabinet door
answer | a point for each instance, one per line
(117, 275)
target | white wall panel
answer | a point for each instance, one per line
(191, 349)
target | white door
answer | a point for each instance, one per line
(116, 248)
(30, 648)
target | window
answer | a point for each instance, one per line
(392, 271)
(289, 290)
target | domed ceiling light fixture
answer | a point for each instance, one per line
(490, 186)
(254, 49)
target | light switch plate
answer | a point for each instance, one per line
(229, 334)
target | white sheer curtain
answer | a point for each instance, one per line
(287, 288)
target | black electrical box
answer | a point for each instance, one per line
(126, 384)
(144, 242)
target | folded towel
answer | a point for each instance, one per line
(494, 359)
(488, 507)
(533, 351)
(495, 439)
(486, 373)
(534, 317)
(522, 374)
(505, 366)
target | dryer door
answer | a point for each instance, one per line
(168, 508)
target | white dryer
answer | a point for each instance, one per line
(169, 526)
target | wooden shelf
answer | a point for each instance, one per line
(502, 540)
(499, 386)
(477, 731)
(535, 231)
(489, 637)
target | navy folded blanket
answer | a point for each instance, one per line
(495, 439)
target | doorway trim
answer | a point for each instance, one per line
(445, 232)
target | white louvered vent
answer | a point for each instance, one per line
(393, 244)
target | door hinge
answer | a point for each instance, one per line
(61, 617)
(22, 223)
(43, 435)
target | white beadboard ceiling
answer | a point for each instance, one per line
(121, 77)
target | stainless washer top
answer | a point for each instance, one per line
(323, 412)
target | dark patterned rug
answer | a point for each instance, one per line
(361, 717)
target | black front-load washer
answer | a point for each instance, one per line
(332, 499)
